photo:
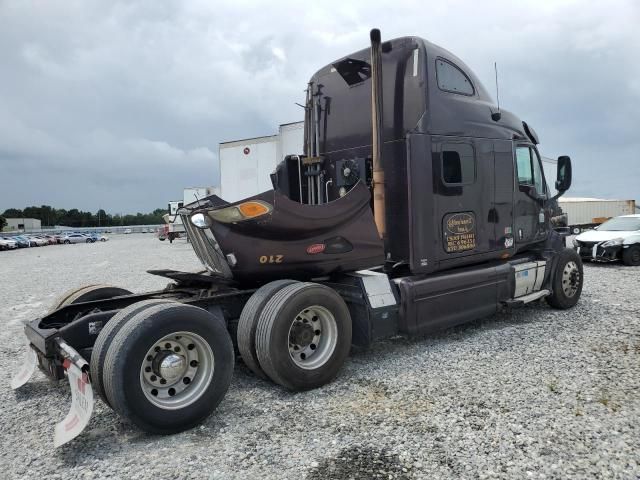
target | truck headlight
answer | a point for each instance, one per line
(241, 212)
(613, 243)
(200, 220)
(576, 243)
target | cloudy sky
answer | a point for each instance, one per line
(120, 104)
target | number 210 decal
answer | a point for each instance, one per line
(271, 259)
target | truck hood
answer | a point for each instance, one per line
(603, 236)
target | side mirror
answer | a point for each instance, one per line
(563, 178)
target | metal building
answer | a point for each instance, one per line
(22, 224)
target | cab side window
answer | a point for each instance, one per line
(458, 164)
(529, 169)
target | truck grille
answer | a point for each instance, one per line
(207, 249)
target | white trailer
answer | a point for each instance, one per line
(586, 213)
(174, 227)
(245, 165)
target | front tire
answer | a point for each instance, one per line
(168, 367)
(631, 256)
(567, 280)
(303, 336)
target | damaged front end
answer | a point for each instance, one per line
(271, 236)
(606, 251)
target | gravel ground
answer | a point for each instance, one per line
(533, 394)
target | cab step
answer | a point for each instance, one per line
(523, 300)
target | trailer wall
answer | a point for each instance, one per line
(246, 165)
(594, 211)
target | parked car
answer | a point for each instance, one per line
(7, 243)
(75, 238)
(91, 236)
(51, 239)
(43, 238)
(38, 241)
(23, 242)
(101, 238)
(616, 239)
(128, 230)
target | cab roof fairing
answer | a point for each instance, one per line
(441, 112)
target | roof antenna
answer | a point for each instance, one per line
(496, 115)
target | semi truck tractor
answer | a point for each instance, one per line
(415, 205)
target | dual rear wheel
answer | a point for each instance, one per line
(163, 365)
(296, 334)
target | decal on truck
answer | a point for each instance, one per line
(459, 232)
(271, 259)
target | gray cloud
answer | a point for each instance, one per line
(120, 104)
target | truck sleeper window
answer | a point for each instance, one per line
(452, 79)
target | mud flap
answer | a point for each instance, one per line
(81, 406)
(25, 372)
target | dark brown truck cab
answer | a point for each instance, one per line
(416, 205)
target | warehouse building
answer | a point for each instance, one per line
(22, 224)
(245, 165)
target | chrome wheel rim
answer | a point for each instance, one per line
(177, 370)
(313, 336)
(570, 279)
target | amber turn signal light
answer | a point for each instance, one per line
(253, 209)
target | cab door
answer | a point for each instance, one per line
(530, 193)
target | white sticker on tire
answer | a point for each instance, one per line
(81, 407)
(26, 369)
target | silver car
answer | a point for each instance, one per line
(75, 238)
(6, 243)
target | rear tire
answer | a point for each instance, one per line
(631, 256)
(188, 331)
(87, 294)
(248, 324)
(314, 322)
(106, 336)
(567, 280)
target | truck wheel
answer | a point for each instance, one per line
(567, 280)
(87, 294)
(168, 367)
(631, 256)
(575, 230)
(105, 337)
(249, 322)
(303, 336)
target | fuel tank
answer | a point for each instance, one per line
(285, 238)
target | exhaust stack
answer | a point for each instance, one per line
(376, 128)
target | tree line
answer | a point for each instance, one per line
(75, 218)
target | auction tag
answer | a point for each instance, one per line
(81, 406)
(26, 369)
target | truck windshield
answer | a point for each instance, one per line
(621, 224)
